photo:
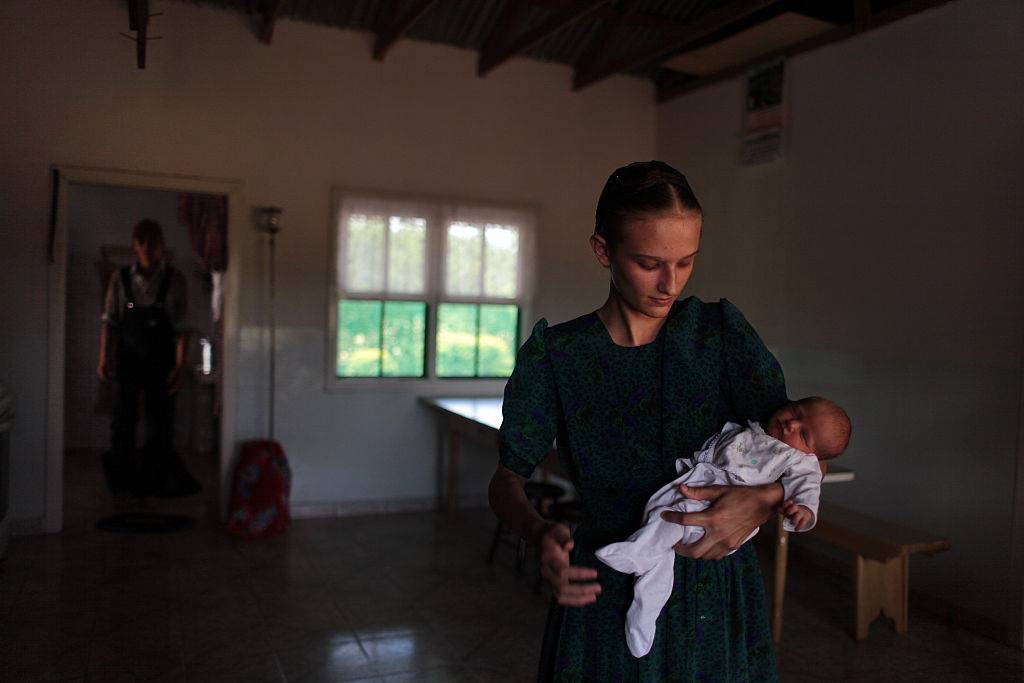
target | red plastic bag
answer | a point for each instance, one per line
(260, 491)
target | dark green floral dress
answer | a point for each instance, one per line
(621, 417)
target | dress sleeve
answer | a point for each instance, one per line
(756, 386)
(530, 407)
(801, 483)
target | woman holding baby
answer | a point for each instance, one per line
(626, 390)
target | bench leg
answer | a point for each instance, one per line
(881, 587)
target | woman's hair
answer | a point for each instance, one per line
(147, 231)
(639, 189)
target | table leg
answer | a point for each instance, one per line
(781, 555)
(453, 467)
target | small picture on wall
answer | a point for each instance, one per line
(763, 118)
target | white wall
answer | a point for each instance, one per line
(291, 120)
(881, 261)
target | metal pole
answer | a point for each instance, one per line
(268, 221)
(273, 334)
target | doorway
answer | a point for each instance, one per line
(99, 220)
(91, 238)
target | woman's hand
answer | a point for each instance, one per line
(571, 585)
(734, 512)
(564, 578)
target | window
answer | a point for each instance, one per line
(427, 288)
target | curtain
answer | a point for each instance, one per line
(206, 217)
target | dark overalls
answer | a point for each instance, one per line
(144, 359)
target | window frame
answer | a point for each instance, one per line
(441, 209)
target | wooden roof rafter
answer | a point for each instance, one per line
(836, 13)
(609, 13)
(494, 53)
(271, 10)
(499, 35)
(138, 21)
(392, 24)
(861, 15)
(599, 45)
(707, 25)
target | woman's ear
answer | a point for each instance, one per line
(601, 250)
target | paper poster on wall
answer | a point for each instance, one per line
(763, 120)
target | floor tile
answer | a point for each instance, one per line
(340, 659)
(445, 674)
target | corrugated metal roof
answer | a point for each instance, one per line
(469, 24)
(462, 23)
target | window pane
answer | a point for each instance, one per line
(364, 253)
(501, 270)
(462, 257)
(498, 326)
(358, 338)
(407, 254)
(456, 340)
(405, 326)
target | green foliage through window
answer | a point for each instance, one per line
(476, 340)
(381, 338)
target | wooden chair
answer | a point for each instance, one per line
(542, 496)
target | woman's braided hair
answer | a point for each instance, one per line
(639, 189)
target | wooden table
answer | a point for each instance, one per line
(477, 418)
(480, 418)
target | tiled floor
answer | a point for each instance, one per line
(388, 598)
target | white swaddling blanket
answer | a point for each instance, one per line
(744, 456)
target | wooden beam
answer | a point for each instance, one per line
(138, 21)
(861, 15)
(558, 19)
(133, 15)
(838, 13)
(271, 10)
(895, 13)
(608, 13)
(500, 33)
(710, 23)
(140, 36)
(598, 45)
(388, 33)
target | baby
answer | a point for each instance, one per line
(798, 436)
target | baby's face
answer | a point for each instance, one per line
(797, 425)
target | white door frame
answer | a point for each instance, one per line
(57, 301)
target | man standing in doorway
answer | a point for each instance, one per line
(142, 348)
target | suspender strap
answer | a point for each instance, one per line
(126, 283)
(161, 293)
(165, 284)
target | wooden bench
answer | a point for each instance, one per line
(882, 551)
